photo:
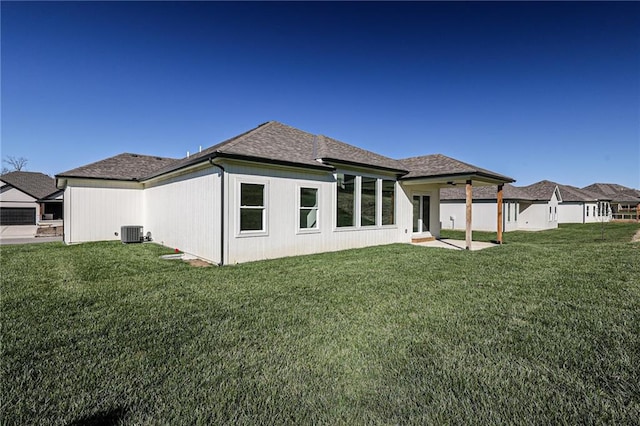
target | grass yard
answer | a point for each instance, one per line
(544, 329)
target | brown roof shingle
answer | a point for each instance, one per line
(441, 165)
(509, 192)
(36, 184)
(125, 166)
(274, 142)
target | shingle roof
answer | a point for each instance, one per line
(441, 165)
(36, 184)
(509, 192)
(542, 190)
(333, 150)
(616, 193)
(279, 143)
(274, 142)
(120, 167)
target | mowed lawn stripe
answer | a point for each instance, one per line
(543, 329)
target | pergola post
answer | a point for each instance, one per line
(500, 207)
(469, 201)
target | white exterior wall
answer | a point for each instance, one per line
(184, 213)
(484, 215)
(536, 217)
(282, 236)
(95, 210)
(571, 212)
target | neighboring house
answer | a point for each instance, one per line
(542, 213)
(452, 208)
(582, 206)
(271, 192)
(625, 202)
(29, 198)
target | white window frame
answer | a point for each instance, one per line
(265, 208)
(299, 207)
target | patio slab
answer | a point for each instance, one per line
(448, 243)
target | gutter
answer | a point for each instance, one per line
(222, 172)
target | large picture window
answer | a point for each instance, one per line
(308, 208)
(346, 200)
(368, 201)
(252, 209)
(388, 202)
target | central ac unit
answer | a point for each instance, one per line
(131, 234)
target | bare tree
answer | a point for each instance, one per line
(16, 164)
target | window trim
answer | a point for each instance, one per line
(357, 226)
(318, 227)
(265, 208)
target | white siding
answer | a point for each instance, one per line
(96, 212)
(484, 215)
(571, 212)
(184, 213)
(282, 237)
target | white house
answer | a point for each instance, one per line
(271, 192)
(485, 208)
(624, 201)
(28, 199)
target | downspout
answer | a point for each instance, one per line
(222, 172)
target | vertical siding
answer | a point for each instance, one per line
(282, 238)
(97, 213)
(484, 215)
(571, 213)
(184, 213)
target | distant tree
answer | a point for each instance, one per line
(15, 164)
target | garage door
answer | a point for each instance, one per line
(17, 216)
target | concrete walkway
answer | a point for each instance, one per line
(448, 243)
(4, 241)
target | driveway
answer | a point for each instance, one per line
(27, 240)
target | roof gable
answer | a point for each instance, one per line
(543, 190)
(35, 184)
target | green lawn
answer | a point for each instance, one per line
(544, 329)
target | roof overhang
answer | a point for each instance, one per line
(336, 162)
(479, 179)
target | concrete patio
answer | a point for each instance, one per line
(449, 243)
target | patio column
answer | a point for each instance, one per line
(469, 196)
(500, 206)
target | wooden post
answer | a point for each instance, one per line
(469, 194)
(638, 213)
(500, 187)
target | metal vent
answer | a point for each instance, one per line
(131, 234)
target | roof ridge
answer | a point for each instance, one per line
(229, 143)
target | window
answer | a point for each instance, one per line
(308, 208)
(515, 212)
(252, 209)
(551, 214)
(346, 200)
(368, 201)
(587, 211)
(508, 212)
(388, 202)
(555, 213)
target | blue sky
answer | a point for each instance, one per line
(531, 90)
